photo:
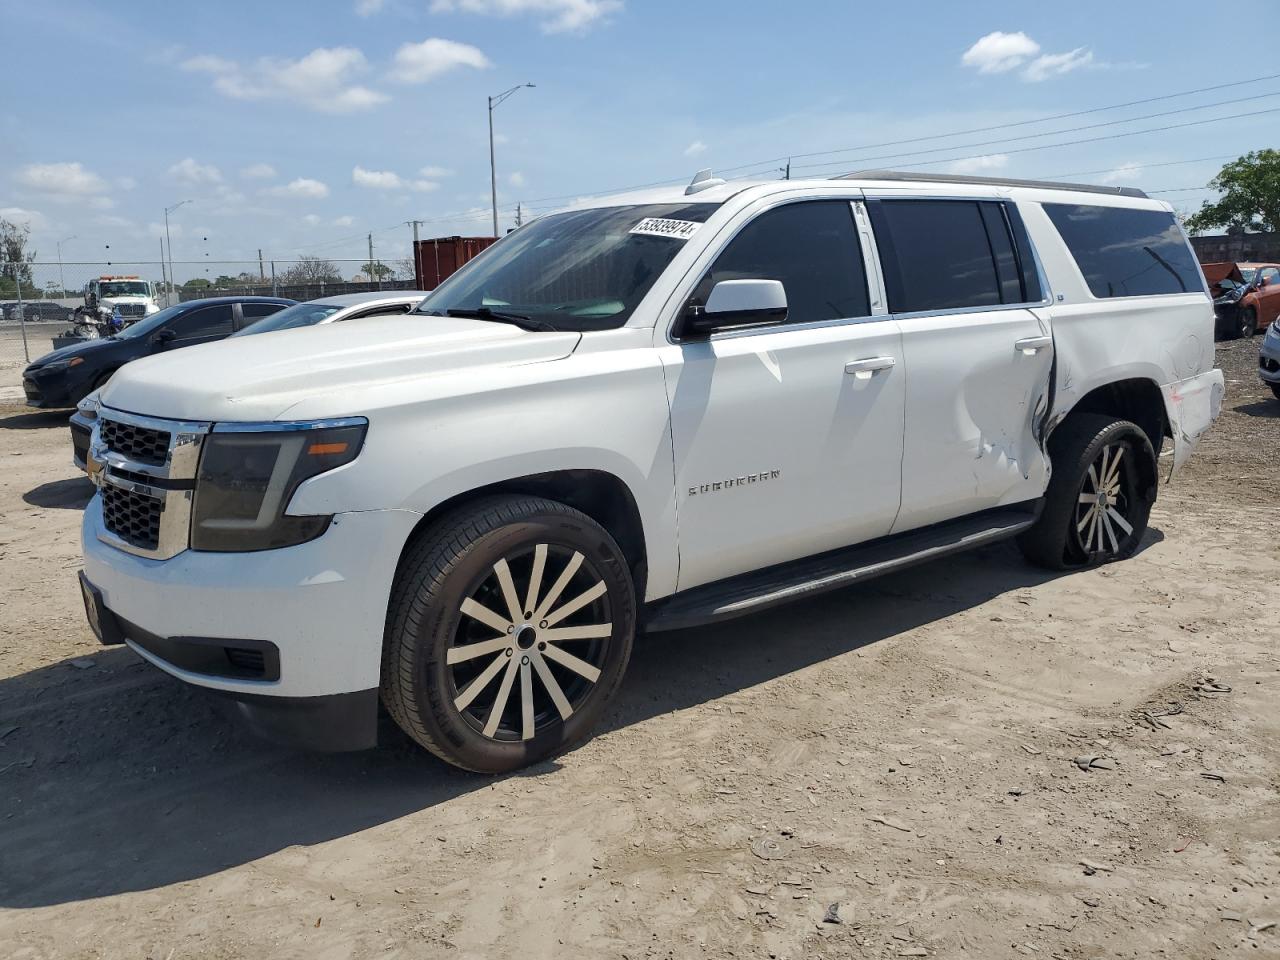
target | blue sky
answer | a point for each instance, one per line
(298, 127)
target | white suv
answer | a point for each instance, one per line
(652, 412)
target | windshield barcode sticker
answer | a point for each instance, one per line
(658, 227)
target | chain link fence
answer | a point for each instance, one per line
(39, 301)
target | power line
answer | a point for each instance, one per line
(1047, 133)
(1140, 166)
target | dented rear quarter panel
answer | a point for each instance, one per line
(1166, 340)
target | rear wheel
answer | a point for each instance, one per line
(1275, 390)
(1100, 495)
(1248, 323)
(510, 626)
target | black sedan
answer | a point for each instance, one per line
(62, 379)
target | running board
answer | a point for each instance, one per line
(761, 589)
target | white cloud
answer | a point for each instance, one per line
(157, 230)
(695, 148)
(973, 165)
(113, 221)
(64, 181)
(20, 215)
(556, 16)
(258, 171)
(1000, 52)
(435, 173)
(301, 187)
(189, 171)
(311, 220)
(388, 180)
(343, 221)
(367, 8)
(126, 183)
(420, 62)
(1055, 64)
(323, 80)
(1125, 172)
(516, 179)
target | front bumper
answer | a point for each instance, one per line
(52, 390)
(81, 434)
(1269, 356)
(319, 609)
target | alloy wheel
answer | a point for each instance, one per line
(512, 671)
(1105, 502)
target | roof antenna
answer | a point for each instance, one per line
(702, 180)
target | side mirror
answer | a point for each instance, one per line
(737, 303)
(162, 337)
(1264, 282)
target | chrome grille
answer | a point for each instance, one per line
(146, 470)
(137, 443)
(131, 309)
(133, 517)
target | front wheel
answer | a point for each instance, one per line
(1248, 323)
(509, 628)
(1099, 497)
(1275, 390)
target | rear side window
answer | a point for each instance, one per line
(952, 254)
(1127, 253)
(206, 322)
(256, 311)
(812, 248)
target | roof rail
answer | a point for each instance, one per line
(992, 181)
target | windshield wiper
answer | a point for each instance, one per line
(515, 319)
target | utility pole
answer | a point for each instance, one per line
(22, 318)
(788, 172)
(62, 281)
(262, 273)
(169, 244)
(379, 281)
(493, 166)
(164, 276)
(519, 215)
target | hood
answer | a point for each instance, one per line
(126, 298)
(75, 350)
(259, 378)
(1215, 273)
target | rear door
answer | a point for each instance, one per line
(201, 326)
(961, 279)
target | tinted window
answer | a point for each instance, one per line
(1126, 253)
(812, 248)
(205, 322)
(256, 311)
(938, 255)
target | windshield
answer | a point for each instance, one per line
(124, 288)
(299, 315)
(1248, 273)
(581, 270)
(152, 323)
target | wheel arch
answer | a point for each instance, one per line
(601, 495)
(1138, 400)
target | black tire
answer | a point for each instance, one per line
(1056, 540)
(1246, 324)
(455, 564)
(1275, 390)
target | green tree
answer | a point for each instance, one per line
(378, 271)
(16, 259)
(1250, 201)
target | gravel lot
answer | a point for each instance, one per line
(905, 750)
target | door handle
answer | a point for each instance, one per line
(1032, 345)
(865, 369)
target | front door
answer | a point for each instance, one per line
(787, 439)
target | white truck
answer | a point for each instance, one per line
(650, 412)
(128, 295)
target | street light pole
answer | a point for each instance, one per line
(493, 166)
(169, 246)
(62, 282)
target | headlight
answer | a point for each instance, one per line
(88, 407)
(249, 472)
(151, 308)
(64, 364)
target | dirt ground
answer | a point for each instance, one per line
(904, 750)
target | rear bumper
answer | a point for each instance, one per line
(1191, 406)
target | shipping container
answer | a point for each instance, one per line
(435, 260)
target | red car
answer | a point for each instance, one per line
(1246, 296)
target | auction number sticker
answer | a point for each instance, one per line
(658, 227)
